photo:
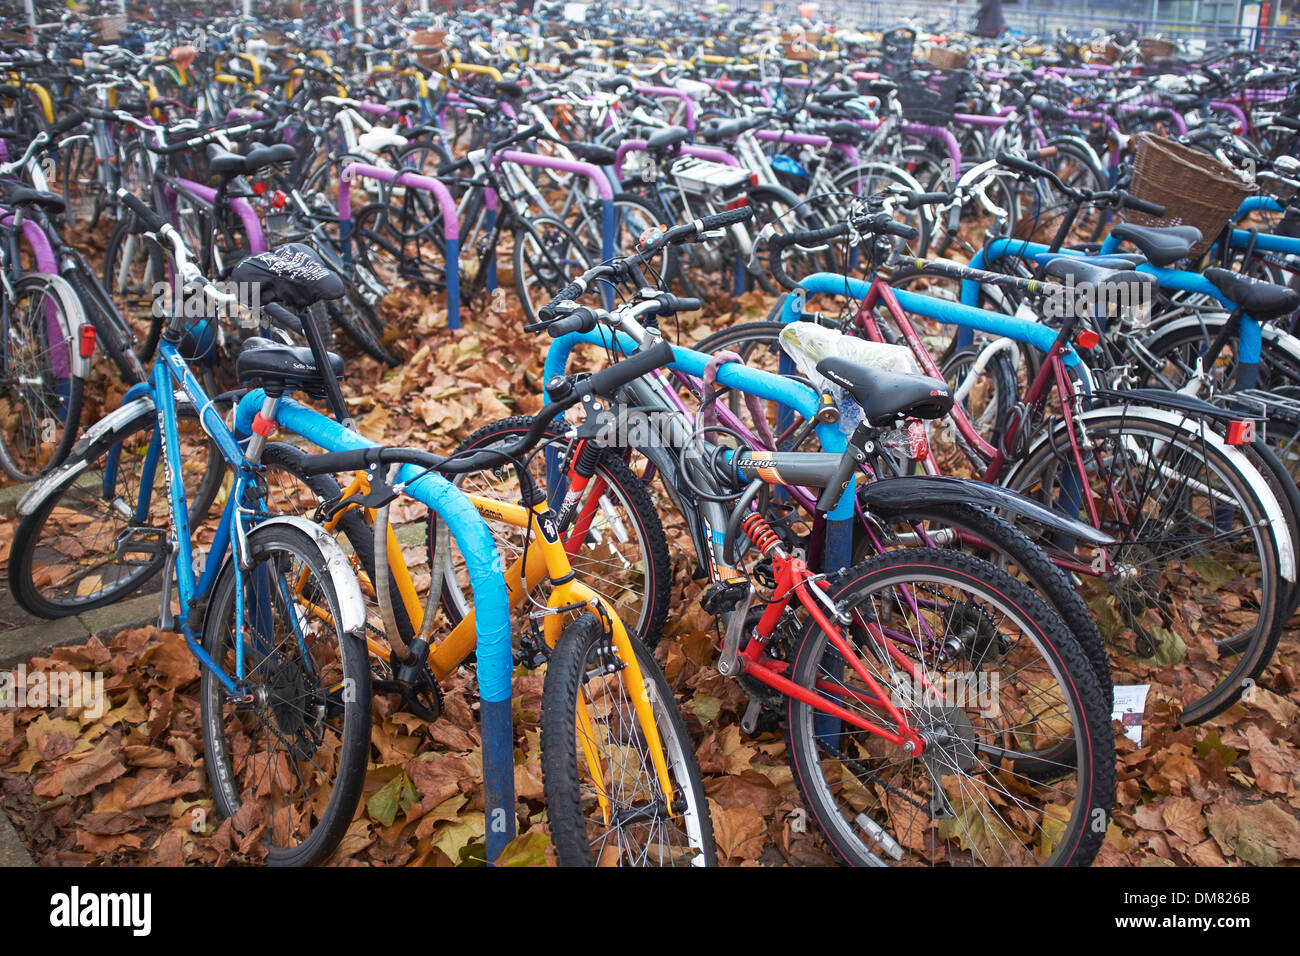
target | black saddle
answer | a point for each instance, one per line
(1162, 245)
(225, 163)
(887, 396)
(667, 138)
(1098, 271)
(724, 130)
(593, 153)
(1258, 299)
(22, 196)
(612, 84)
(265, 361)
(292, 275)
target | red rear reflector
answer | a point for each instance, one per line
(259, 188)
(1087, 339)
(1241, 432)
(86, 340)
(279, 198)
(738, 203)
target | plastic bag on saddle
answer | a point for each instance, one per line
(808, 343)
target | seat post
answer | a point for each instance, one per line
(263, 426)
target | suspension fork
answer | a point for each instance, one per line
(794, 578)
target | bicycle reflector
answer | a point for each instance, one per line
(1087, 339)
(259, 188)
(1241, 432)
(86, 340)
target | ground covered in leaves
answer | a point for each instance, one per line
(127, 786)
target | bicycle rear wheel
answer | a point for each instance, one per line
(40, 390)
(294, 743)
(1194, 522)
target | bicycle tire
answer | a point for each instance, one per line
(568, 671)
(1088, 806)
(295, 722)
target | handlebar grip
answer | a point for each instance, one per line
(146, 218)
(1140, 205)
(609, 380)
(672, 304)
(777, 244)
(1022, 165)
(579, 320)
(900, 229)
(1047, 152)
(916, 200)
(730, 217)
(71, 121)
(360, 459)
(569, 293)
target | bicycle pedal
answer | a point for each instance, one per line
(141, 541)
(749, 720)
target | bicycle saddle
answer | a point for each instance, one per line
(291, 274)
(1086, 271)
(1162, 245)
(267, 361)
(1258, 299)
(22, 196)
(887, 396)
(593, 153)
(508, 89)
(225, 163)
(666, 138)
(729, 129)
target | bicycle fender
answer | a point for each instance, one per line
(352, 607)
(1277, 526)
(72, 319)
(896, 496)
(99, 435)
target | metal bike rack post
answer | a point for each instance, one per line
(491, 604)
(450, 224)
(603, 189)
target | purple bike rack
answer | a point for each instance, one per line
(450, 224)
(603, 189)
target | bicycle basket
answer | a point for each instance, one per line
(933, 105)
(1195, 189)
(896, 49)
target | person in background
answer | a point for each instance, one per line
(989, 21)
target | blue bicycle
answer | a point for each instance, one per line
(275, 615)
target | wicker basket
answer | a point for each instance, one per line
(1195, 189)
(110, 27)
(427, 46)
(1154, 49)
(1103, 51)
(800, 46)
(946, 59)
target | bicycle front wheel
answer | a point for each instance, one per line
(105, 532)
(603, 796)
(1018, 763)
